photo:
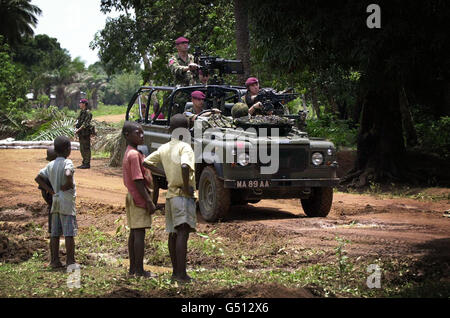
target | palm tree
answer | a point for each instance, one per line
(17, 17)
(63, 77)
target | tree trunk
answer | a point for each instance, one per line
(356, 111)
(381, 150)
(331, 107)
(242, 38)
(146, 76)
(60, 96)
(407, 120)
(94, 97)
(315, 103)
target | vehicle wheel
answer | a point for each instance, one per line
(254, 201)
(214, 199)
(319, 203)
(155, 194)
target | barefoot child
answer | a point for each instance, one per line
(177, 159)
(60, 174)
(139, 205)
(51, 155)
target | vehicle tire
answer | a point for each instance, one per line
(254, 201)
(155, 194)
(319, 203)
(214, 199)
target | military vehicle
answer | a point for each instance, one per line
(244, 160)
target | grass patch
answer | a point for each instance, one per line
(101, 154)
(404, 191)
(223, 263)
(105, 110)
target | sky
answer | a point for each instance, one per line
(73, 23)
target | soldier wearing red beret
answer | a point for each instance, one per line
(198, 99)
(181, 64)
(84, 131)
(252, 84)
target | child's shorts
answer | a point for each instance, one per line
(137, 217)
(65, 225)
(180, 210)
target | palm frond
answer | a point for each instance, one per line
(59, 127)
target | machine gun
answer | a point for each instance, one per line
(273, 101)
(207, 64)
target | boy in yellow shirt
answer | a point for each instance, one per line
(177, 159)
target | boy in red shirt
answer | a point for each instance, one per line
(139, 205)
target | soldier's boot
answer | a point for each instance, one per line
(85, 149)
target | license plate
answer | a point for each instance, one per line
(252, 184)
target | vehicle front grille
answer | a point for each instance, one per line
(291, 159)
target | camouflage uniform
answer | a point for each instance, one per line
(84, 135)
(176, 65)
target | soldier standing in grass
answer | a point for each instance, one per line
(84, 130)
(181, 64)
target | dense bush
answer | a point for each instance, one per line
(340, 132)
(434, 136)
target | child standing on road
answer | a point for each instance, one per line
(60, 174)
(139, 205)
(177, 159)
(51, 155)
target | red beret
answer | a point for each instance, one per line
(181, 40)
(250, 81)
(198, 95)
(84, 101)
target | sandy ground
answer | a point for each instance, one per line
(110, 118)
(374, 225)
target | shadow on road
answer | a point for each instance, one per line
(253, 213)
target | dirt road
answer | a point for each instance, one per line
(374, 225)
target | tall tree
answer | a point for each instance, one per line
(409, 51)
(148, 35)
(17, 17)
(40, 56)
(242, 37)
(13, 84)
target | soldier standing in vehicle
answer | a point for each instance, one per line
(182, 65)
(252, 84)
(84, 130)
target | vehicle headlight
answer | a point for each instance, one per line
(243, 159)
(317, 158)
(330, 151)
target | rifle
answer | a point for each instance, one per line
(273, 101)
(207, 64)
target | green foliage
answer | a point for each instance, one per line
(340, 132)
(13, 85)
(43, 100)
(149, 36)
(434, 136)
(53, 123)
(121, 88)
(103, 110)
(58, 127)
(17, 17)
